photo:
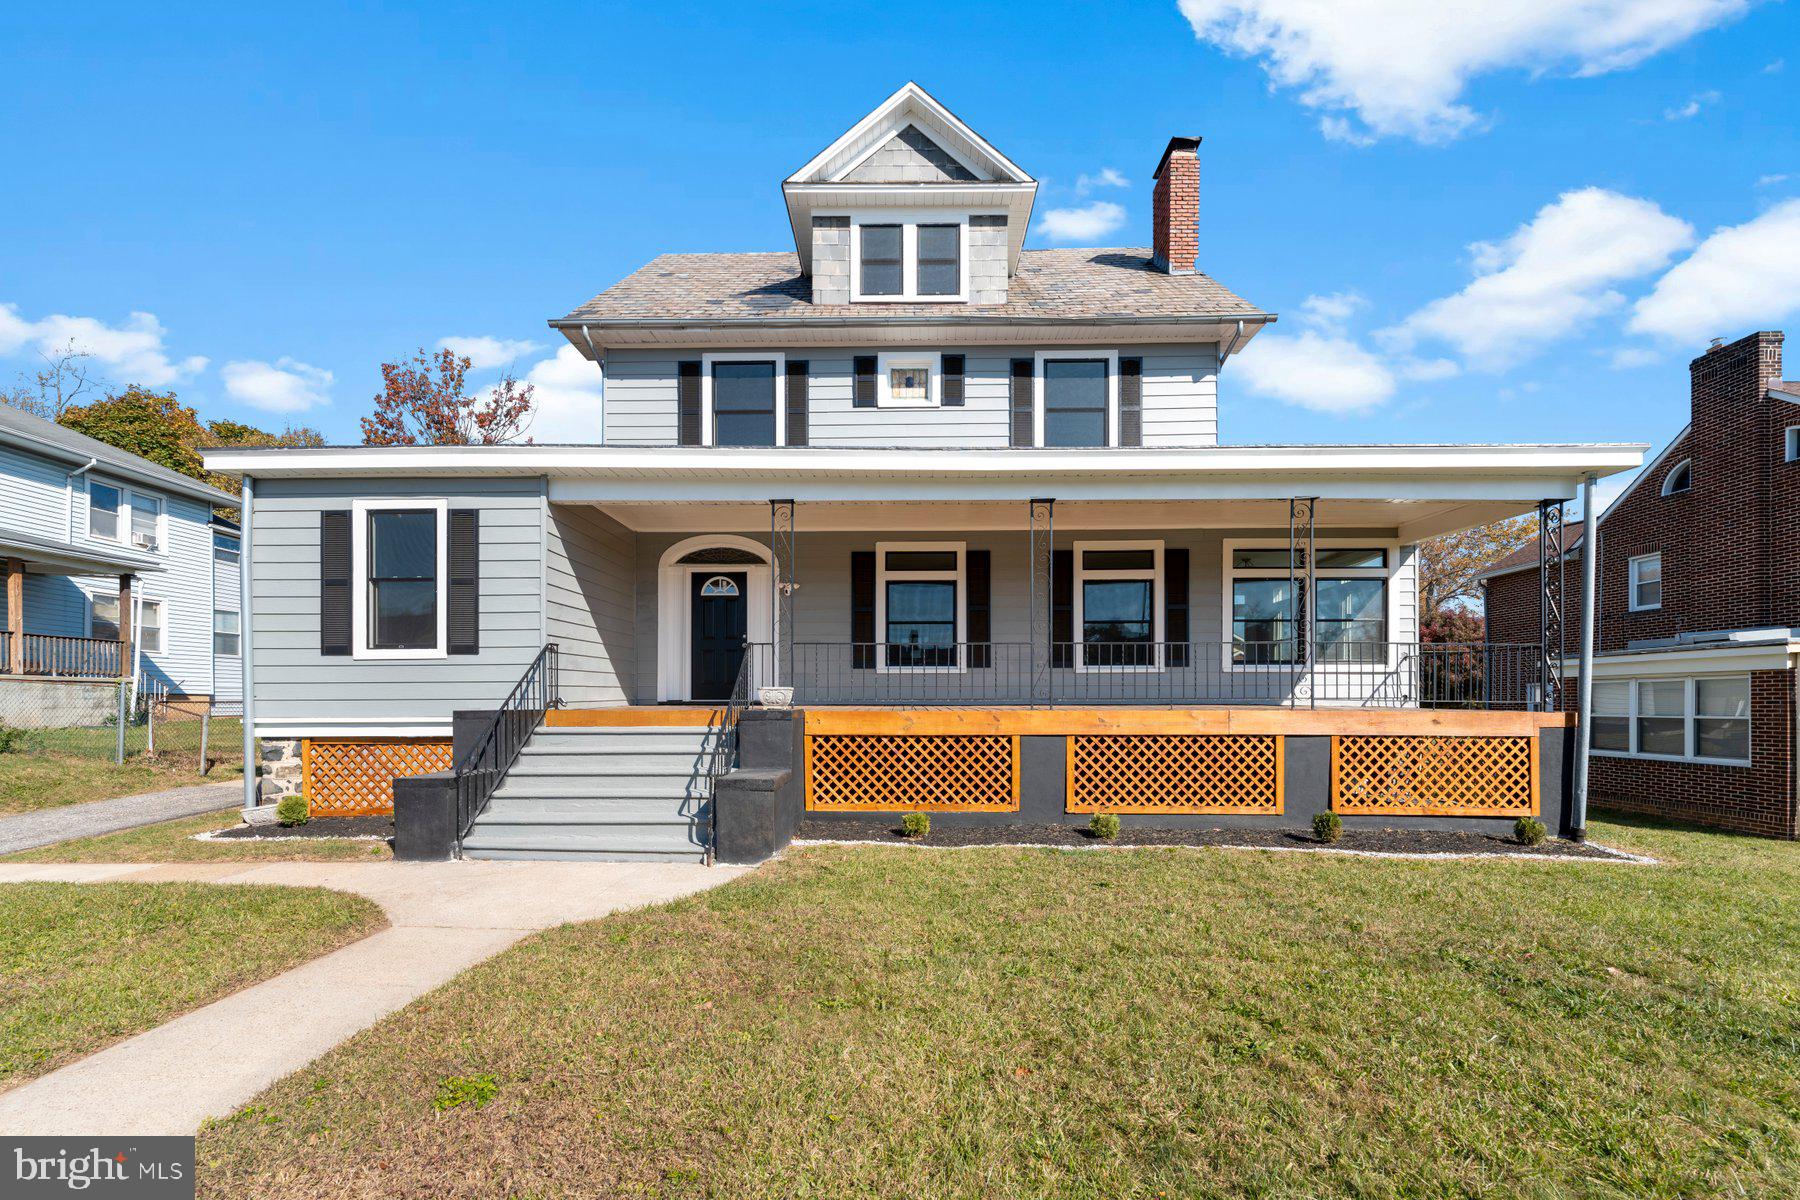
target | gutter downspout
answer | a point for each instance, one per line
(246, 643)
(1585, 688)
(1237, 339)
(69, 499)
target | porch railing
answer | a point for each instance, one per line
(1291, 673)
(480, 771)
(65, 657)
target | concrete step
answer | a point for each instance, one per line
(594, 812)
(669, 788)
(627, 762)
(628, 843)
(634, 738)
(534, 854)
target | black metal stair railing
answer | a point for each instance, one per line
(479, 772)
(723, 754)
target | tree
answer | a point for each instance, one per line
(236, 433)
(65, 376)
(1449, 564)
(424, 401)
(153, 425)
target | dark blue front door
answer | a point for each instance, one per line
(720, 618)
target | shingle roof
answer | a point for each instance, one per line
(24, 426)
(1049, 285)
(1527, 556)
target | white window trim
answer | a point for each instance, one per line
(1690, 719)
(231, 612)
(359, 577)
(130, 499)
(1631, 582)
(934, 389)
(1668, 488)
(1111, 358)
(1083, 574)
(123, 513)
(1276, 541)
(778, 357)
(961, 578)
(140, 603)
(909, 221)
(162, 518)
(675, 615)
(1792, 438)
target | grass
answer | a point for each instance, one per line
(85, 964)
(49, 768)
(173, 841)
(1024, 1023)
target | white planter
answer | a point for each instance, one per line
(776, 697)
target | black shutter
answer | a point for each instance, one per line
(334, 582)
(862, 390)
(1021, 402)
(978, 565)
(953, 380)
(797, 401)
(687, 402)
(1062, 608)
(1175, 605)
(465, 581)
(1131, 402)
(862, 609)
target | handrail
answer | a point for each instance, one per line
(492, 756)
(724, 748)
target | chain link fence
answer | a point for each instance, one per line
(106, 721)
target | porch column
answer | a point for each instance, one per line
(1041, 521)
(1302, 586)
(15, 616)
(125, 630)
(783, 563)
(1551, 593)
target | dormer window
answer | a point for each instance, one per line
(898, 258)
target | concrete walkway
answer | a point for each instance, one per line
(446, 917)
(27, 831)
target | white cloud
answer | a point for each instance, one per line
(1426, 370)
(1548, 278)
(1742, 276)
(1774, 66)
(132, 352)
(1319, 371)
(1696, 102)
(1331, 311)
(1106, 177)
(1084, 224)
(1400, 67)
(486, 352)
(284, 386)
(565, 398)
(1772, 180)
(1628, 358)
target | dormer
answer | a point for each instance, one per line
(910, 206)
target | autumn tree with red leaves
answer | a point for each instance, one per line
(424, 402)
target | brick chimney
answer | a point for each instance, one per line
(1176, 207)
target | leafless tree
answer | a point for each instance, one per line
(67, 375)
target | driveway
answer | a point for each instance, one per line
(444, 918)
(28, 831)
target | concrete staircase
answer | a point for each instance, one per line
(604, 794)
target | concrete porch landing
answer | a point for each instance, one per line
(444, 918)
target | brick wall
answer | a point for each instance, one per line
(1175, 208)
(1511, 606)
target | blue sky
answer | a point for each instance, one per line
(1476, 227)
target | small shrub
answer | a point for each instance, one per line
(292, 811)
(13, 741)
(915, 825)
(454, 1091)
(1328, 826)
(1104, 826)
(1529, 830)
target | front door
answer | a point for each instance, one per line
(721, 616)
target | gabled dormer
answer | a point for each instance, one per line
(910, 206)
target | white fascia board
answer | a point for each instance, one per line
(892, 110)
(1688, 660)
(349, 727)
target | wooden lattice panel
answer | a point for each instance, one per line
(1435, 776)
(912, 773)
(356, 779)
(1174, 773)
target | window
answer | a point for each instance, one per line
(1793, 443)
(908, 380)
(1680, 479)
(104, 502)
(902, 256)
(1118, 603)
(1350, 618)
(399, 556)
(940, 260)
(1075, 405)
(743, 399)
(883, 260)
(225, 548)
(1705, 719)
(103, 618)
(150, 626)
(103, 622)
(146, 521)
(225, 633)
(1645, 591)
(919, 603)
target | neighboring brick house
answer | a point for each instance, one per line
(1698, 636)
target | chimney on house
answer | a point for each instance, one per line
(1176, 205)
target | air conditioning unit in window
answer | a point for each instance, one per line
(144, 541)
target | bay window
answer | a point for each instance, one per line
(1703, 719)
(920, 603)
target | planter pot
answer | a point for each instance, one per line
(776, 697)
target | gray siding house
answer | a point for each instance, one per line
(909, 467)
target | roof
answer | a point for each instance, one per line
(1051, 285)
(60, 558)
(1527, 556)
(47, 437)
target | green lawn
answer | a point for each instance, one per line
(85, 964)
(173, 841)
(48, 768)
(1024, 1023)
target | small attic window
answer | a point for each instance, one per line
(894, 258)
(1679, 479)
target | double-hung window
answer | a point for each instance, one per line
(399, 599)
(130, 517)
(103, 622)
(103, 617)
(1645, 579)
(1267, 603)
(146, 521)
(226, 632)
(1077, 398)
(1704, 719)
(920, 603)
(104, 503)
(744, 398)
(901, 258)
(226, 548)
(149, 635)
(1119, 603)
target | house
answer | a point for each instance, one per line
(110, 573)
(910, 516)
(1698, 638)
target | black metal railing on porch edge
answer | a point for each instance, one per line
(723, 756)
(1287, 672)
(480, 771)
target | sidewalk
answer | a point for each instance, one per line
(445, 918)
(28, 831)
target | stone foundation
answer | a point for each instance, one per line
(277, 769)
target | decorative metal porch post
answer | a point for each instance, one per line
(1552, 580)
(1302, 530)
(783, 564)
(1039, 557)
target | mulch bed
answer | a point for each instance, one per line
(1381, 841)
(318, 827)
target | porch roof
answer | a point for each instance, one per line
(44, 557)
